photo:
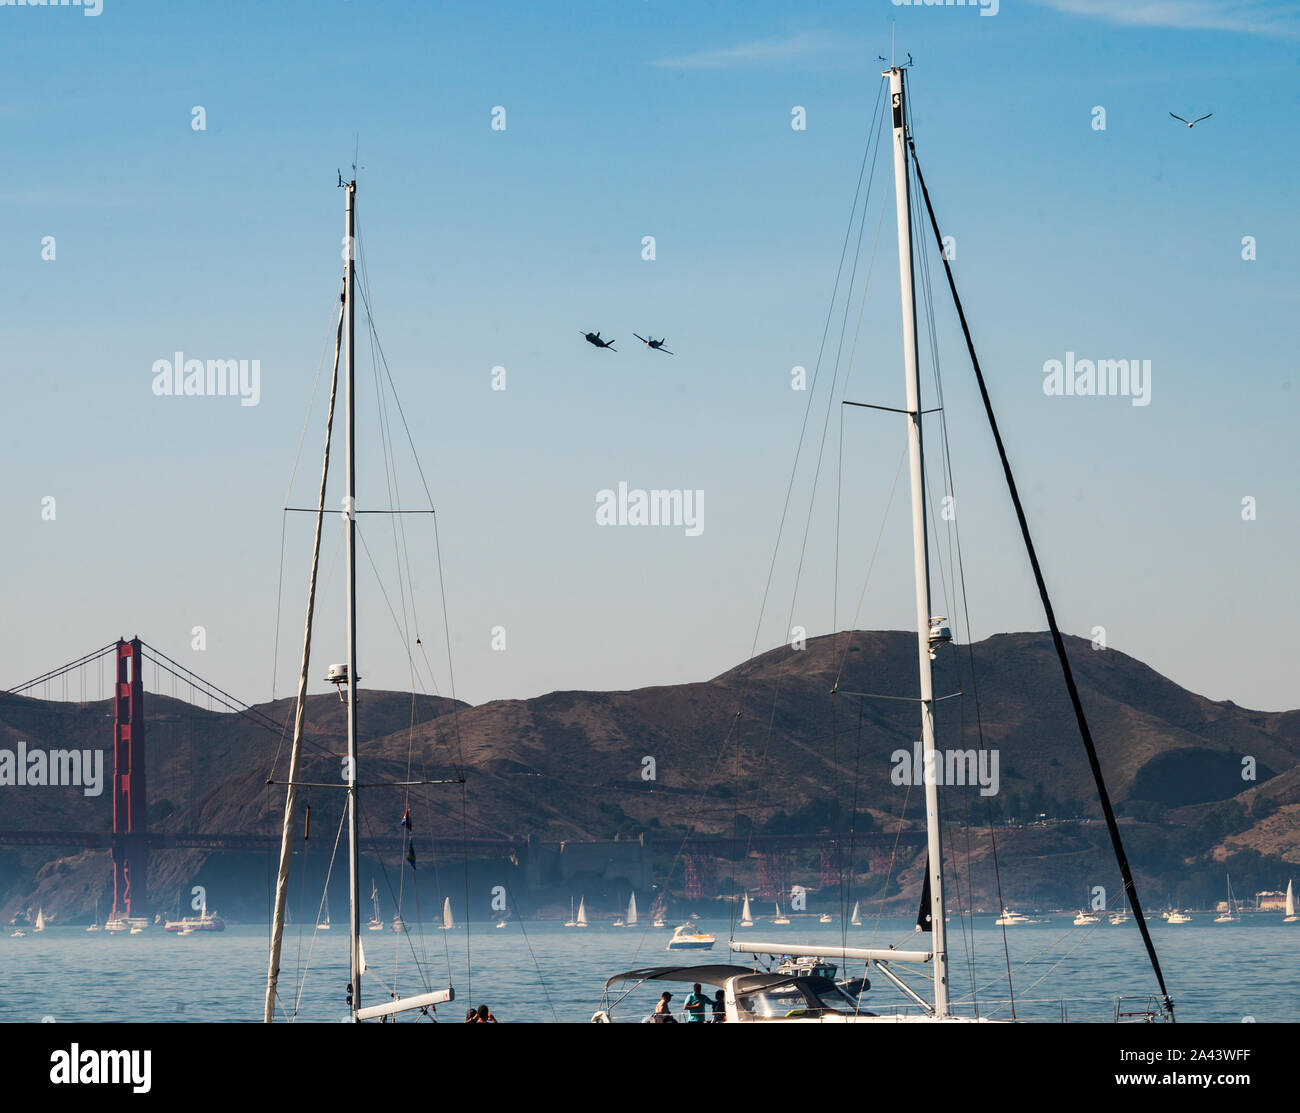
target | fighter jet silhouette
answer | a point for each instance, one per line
(657, 345)
(594, 338)
(1193, 123)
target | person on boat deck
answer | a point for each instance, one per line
(471, 1017)
(663, 1013)
(484, 1016)
(719, 1008)
(695, 1005)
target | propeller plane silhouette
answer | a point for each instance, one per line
(651, 342)
(594, 338)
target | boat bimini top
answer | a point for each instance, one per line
(705, 975)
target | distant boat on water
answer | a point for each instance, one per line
(447, 922)
(746, 919)
(186, 925)
(631, 911)
(689, 938)
(856, 921)
(376, 921)
(40, 920)
(1230, 914)
(780, 917)
(1290, 917)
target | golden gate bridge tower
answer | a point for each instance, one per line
(130, 802)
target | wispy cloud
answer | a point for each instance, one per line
(801, 49)
(1260, 17)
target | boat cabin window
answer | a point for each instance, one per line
(793, 999)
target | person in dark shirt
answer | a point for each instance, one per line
(719, 1008)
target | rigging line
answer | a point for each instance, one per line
(848, 300)
(335, 300)
(776, 549)
(954, 534)
(394, 499)
(299, 974)
(893, 857)
(377, 347)
(320, 907)
(880, 534)
(1093, 761)
(853, 831)
(839, 483)
(1047, 973)
(541, 978)
(812, 500)
(396, 397)
(396, 899)
(927, 302)
(451, 672)
(279, 601)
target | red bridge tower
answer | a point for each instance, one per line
(130, 838)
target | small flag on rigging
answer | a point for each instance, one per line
(406, 819)
(410, 854)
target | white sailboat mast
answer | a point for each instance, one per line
(349, 351)
(919, 546)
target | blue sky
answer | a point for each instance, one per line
(494, 248)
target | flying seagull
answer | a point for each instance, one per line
(1193, 123)
(657, 345)
(594, 338)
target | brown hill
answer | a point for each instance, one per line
(762, 747)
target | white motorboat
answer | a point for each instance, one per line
(689, 938)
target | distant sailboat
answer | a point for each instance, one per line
(1290, 917)
(1229, 915)
(582, 913)
(824, 918)
(323, 924)
(746, 920)
(95, 924)
(856, 921)
(447, 922)
(570, 922)
(631, 911)
(40, 920)
(376, 921)
(658, 910)
(1120, 917)
(779, 918)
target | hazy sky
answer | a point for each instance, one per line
(490, 248)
